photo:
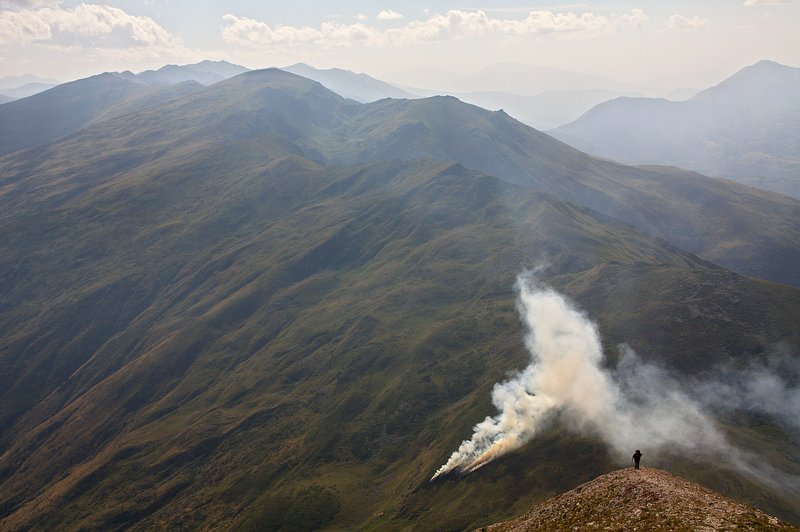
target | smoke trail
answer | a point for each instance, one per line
(636, 405)
(564, 371)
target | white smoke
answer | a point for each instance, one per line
(636, 405)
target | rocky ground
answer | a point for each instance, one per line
(644, 499)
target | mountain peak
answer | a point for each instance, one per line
(768, 63)
(644, 499)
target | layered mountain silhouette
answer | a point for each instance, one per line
(64, 109)
(544, 110)
(359, 87)
(51, 114)
(15, 87)
(541, 97)
(745, 128)
(204, 72)
(262, 305)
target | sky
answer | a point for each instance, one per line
(662, 43)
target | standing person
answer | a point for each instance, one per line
(636, 457)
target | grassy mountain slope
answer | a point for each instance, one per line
(746, 128)
(207, 325)
(64, 109)
(741, 228)
(221, 336)
(750, 231)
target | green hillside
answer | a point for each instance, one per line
(208, 322)
(66, 108)
(750, 231)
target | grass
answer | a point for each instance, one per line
(200, 327)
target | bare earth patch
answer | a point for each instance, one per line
(644, 499)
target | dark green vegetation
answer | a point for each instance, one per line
(230, 306)
(745, 128)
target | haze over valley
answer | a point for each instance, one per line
(362, 267)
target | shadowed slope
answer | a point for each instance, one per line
(750, 231)
(54, 113)
(211, 332)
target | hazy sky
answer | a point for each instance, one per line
(656, 42)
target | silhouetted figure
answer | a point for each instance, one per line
(636, 457)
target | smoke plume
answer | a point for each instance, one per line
(635, 405)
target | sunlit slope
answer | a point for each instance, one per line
(226, 330)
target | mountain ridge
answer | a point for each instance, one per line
(646, 498)
(227, 310)
(360, 87)
(751, 231)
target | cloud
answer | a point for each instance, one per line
(680, 22)
(84, 20)
(24, 4)
(455, 24)
(389, 15)
(94, 33)
(247, 32)
(750, 3)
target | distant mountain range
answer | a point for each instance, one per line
(359, 87)
(522, 79)
(541, 97)
(61, 110)
(14, 87)
(446, 129)
(542, 110)
(261, 305)
(746, 128)
(64, 109)
(204, 72)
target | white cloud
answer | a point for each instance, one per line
(750, 3)
(389, 15)
(24, 4)
(247, 32)
(455, 24)
(92, 34)
(680, 22)
(84, 20)
(17, 26)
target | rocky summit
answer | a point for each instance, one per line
(643, 499)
